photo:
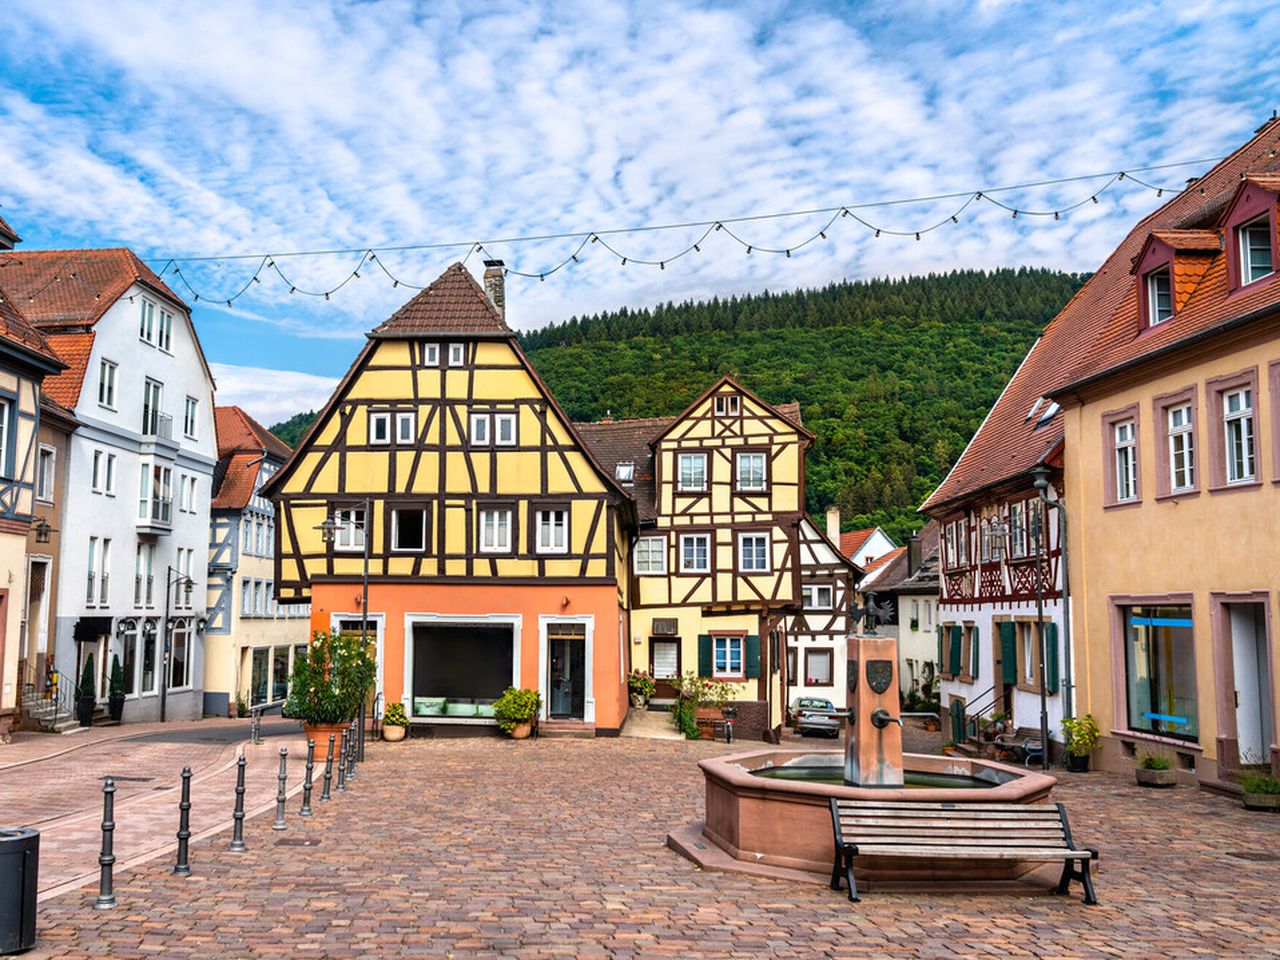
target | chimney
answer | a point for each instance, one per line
(833, 525)
(913, 554)
(494, 287)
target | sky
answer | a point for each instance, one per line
(260, 128)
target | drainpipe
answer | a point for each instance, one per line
(1040, 479)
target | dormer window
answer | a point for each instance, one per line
(1255, 249)
(728, 405)
(625, 472)
(1034, 407)
(1159, 296)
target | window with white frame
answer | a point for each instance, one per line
(153, 415)
(180, 655)
(495, 530)
(1018, 529)
(91, 577)
(144, 575)
(246, 597)
(691, 471)
(406, 427)
(695, 553)
(751, 468)
(1159, 296)
(1255, 249)
(431, 355)
(651, 556)
(98, 475)
(409, 529)
(1181, 448)
(753, 552)
(6, 428)
(380, 428)
(190, 412)
(1125, 438)
(109, 480)
(728, 405)
(504, 429)
(349, 536)
(107, 384)
(727, 659)
(164, 331)
(147, 320)
(817, 596)
(480, 429)
(553, 531)
(259, 598)
(46, 473)
(457, 354)
(1237, 418)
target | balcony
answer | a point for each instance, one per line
(156, 515)
(157, 435)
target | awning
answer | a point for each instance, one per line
(89, 629)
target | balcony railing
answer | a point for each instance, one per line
(156, 512)
(156, 424)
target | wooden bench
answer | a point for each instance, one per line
(1023, 744)
(957, 831)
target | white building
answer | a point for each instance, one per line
(132, 576)
(909, 587)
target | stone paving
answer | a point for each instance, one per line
(555, 848)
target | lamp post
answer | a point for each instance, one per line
(1040, 478)
(1037, 538)
(186, 584)
(328, 531)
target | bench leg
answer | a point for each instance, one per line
(1086, 878)
(835, 871)
(1082, 873)
(848, 872)
(1064, 882)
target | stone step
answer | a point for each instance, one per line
(571, 729)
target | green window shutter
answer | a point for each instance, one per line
(1009, 653)
(956, 637)
(975, 650)
(942, 661)
(1051, 658)
(704, 655)
(751, 656)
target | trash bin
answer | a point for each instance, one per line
(19, 870)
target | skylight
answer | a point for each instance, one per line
(625, 472)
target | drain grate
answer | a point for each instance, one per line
(120, 779)
(297, 842)
(1258, 855)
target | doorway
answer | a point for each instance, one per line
(1252, 682)
(664, 667)
(567, 671)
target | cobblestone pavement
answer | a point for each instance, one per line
(556, 849)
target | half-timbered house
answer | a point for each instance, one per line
(495, 545)
(817, 635)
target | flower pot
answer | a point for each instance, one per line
(84, 710)
(521, 731)
(1078, 763)
(1155, 778)
(1262, 801)
(393, 734)
(115, 707)
(319, 732)
(637, 699)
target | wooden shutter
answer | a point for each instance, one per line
(942, 660)
(751, 656)
(954, 662)
(1051, 658)
(1009, 653)
(704, 655)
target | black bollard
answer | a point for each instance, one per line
(351, 755)
(328, 771)
(106, 860)
(183, 867)
(284, 775)
(342, 764)
(237, 817)
(361, 758)
(306, 783)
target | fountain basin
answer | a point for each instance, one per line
(786, 823)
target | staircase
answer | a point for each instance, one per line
(566, 729)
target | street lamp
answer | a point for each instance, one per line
(1040, 479)
(43, 530)
(1036, 525)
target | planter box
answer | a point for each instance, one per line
(1262, 801)
(1156, 778)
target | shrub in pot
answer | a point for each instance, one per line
(642, 687)
(85, 699)
(327, 685)
(1082, 735)
(1261, 791)
(1155, 770)
(515, 711)
(115, 703)
(394, 723)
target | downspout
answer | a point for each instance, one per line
(1041, 482)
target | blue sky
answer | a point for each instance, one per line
(265, 126)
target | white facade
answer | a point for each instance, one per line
(917, 633)
(124, 535)
(817, 638)
(873, 548)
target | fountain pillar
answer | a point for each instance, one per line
(873, 737)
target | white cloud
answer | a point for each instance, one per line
(270, 396)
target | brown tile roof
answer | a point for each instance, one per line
(1206, 241)
(1097, 330)
(15, 328)
(851, 541)
(896, 577)
(74, 350)
(8, 233)
(237, 431)
(878, 567)
(453, 305)
(235, 478)
(69, 288)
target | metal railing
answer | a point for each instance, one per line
(156, 424)
(158, 514)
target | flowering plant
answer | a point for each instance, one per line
(639, 681)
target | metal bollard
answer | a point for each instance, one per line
(284, 775)
(328, 771)
(362, 731)
(342, 764)
(351, 756)
(306, 783)
(106, 860)
(183, 867)
(237, 817)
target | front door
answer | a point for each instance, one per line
(1252, 682)
(664, 666)
(567, 683)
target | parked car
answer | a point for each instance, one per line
(815, 715)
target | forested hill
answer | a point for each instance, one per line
(893, 376)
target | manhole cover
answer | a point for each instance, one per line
(297, 842)
(1258, 855)
(119, 779)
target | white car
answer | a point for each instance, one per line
(815, 715)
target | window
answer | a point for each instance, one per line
(753, 552)
(1018, 529)
(147, 320)
(695, 553)
(1159, 296)
(792, 676)
(625, 472)
(45, 473)
(957, 542)
(727, 660)
(692, 471)
(380, 428)
(129, 658)
(155, 493)
(553, 531)
(818, 668)
(406, 427)
(246, 597)
(751, 471)
(1029, 658)
(1237, 419)
(495, 531)
(1160, 671)
(431, 354)
(150, 677)
(1182, 474)
(109, 481)
(457, 354)
(144, 575)
(350, 533)
(1125, 437)
(479, 429)
(409, 530)
(99, 469)
(179, 658)
(651, 555)
(164, 338)
(107, 384)
(504, 429)
(91, 581)
(728, 405)
(258, 598)
(189, 411)
(816, 596)
(152, 400)
(1255, 249)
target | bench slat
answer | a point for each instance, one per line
(975, 853)
(946, 817)
(961, 841)
(908, 806)
(1048, 836)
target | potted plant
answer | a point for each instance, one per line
(85, 700)
(395, 723)
(115, 703)
(1155, 770)
(1261, 791)
(1082, 735)
(242, 708)
(516, 710)
(642, 687)
(327, 685)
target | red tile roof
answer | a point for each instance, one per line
(235, 479)
(453, 305)
(851, 541)
(74, 350)
(1098, 330)
(15, 328)
(74, 288)
(879, 567)
(237, 431)
(1203, 241)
